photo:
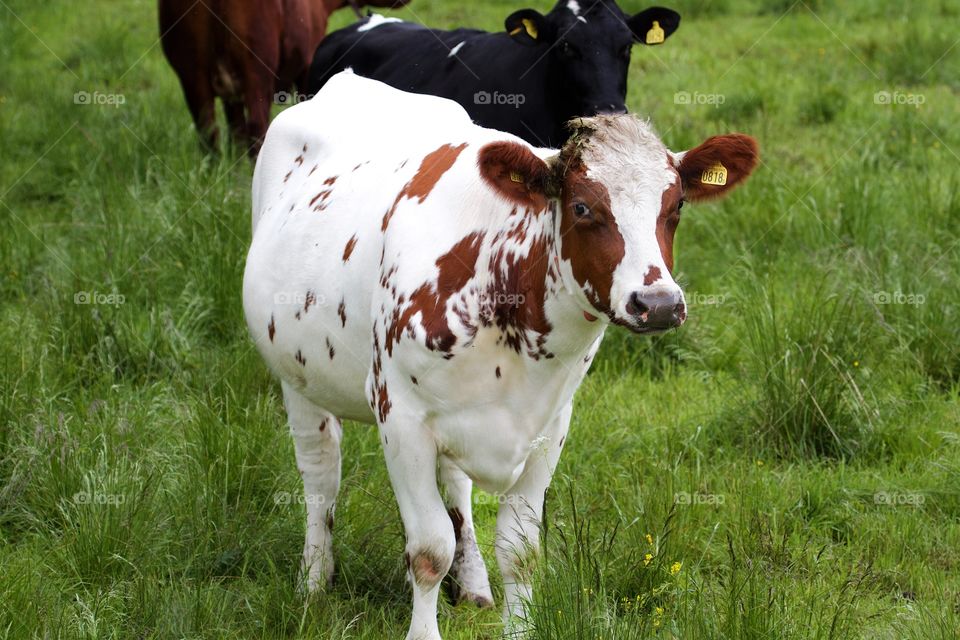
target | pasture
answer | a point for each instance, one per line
(785, 465)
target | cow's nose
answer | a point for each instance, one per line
(657, 309)
(608, 109)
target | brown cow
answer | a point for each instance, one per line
(244, 52)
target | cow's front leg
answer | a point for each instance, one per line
(316, 438)
(468, 574)
(519, 519)
(411, 456)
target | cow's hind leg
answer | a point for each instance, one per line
(519, 520)
(469, 581)
(316, 438)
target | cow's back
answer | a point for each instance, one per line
(329, 170)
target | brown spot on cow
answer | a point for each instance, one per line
(312, 170)
(498, 374)
(456, 517)
(309, 300)
(272, 328)
(330, 520)
(653, 274)
(323, 425)
(592, 242)
(456, 268)
(298, 356)
(427, 568)
(330, 348)
(298, 160)
(667, 221)
(287, 177)
(348, 249)
(342, 312)
(434, 165)
(413, 379)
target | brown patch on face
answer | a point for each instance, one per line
(298, 356)
(342, 312)
(348, 249)
(456, 268)
(589, 317)
(434, 165)
(667, 221)
(272, 328)
(592, 243)
(516, 173)
(653, 274)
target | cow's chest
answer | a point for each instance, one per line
(487, 407)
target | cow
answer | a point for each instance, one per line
(451, 284)
(243, 53)
(528, 80)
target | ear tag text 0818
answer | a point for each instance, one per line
(716, 175)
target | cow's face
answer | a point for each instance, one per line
(587, 46)
(617, 194)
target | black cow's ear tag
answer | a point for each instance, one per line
(529, 26)
(655, 35)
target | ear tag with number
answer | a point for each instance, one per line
(715, 175)
(516, 177)
(655, 35)
(531, 28)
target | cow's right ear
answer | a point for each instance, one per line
(528, 27)
(516, 173)
(654, 25)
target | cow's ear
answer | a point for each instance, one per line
(715, 167)
(528, 27)
(654, 25)
(516, 173)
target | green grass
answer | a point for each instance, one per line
(796, 446)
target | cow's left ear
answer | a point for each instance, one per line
(654, 25)
(516, 173)
(529, 27)
(715, 167)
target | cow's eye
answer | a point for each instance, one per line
(581, 210)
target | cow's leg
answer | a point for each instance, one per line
(316, 438)
(237, 121)
(201, 101)
(411, 455)
(519, 519)
(258, 98)
(469, 580)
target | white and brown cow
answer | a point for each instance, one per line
(451, 284)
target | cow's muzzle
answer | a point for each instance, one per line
(657, 309)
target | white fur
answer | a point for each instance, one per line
(377, 20)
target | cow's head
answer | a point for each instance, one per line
(617, 192)
(587, 46)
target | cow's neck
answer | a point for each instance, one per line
(528, 299)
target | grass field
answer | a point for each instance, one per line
(795, 447)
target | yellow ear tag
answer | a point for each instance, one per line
(516, 177)
(715, 175)
(655, 35)
(531, 28)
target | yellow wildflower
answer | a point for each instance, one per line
(675, 568)
(647, 558)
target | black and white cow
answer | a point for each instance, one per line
(528, 80)
(451, 284)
